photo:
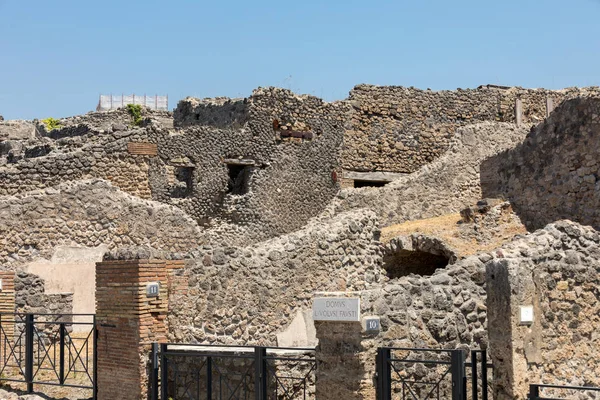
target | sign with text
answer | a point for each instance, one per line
(336, 309)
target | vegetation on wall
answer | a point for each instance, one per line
(51, 123)
(136, 113)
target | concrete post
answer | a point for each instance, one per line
(549, 105)
(519, 112)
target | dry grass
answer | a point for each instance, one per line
(460, 236)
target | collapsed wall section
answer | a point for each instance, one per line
(248, 295)
(59, 234)
(444, 186)
(399, 129)
(554, 173)
(555, 271)
(265, 164)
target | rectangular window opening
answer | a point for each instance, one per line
(362, 183)
(238, 181)
(183, 182)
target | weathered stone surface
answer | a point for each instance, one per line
(444, 186)
(555, 270)
(252, 297)
(552, 174)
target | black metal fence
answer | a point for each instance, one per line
(194, 372)
(408, 373)
(560, 392)
(45, 349)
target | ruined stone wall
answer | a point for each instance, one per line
(556, 271)
(399, 129)
(87, 214)
(292, 144)
(444, 186)
(553, 174)
(249, 295)
(31, 297)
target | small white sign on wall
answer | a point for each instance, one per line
(336, 309)
(526, 315)
(152, 289)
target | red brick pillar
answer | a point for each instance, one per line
(128, 322)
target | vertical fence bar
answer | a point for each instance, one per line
(209, 378)
(474, 393)
(384, 373)
(457, 367)
(154, 372)
(61, 349)
(164, 372)
(260, 373)
(95, 358)
(484, 375)
(534, 392)
(29, 352)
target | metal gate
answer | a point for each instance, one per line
(45, 349)
(416, 374)
(194, 372)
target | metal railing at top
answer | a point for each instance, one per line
(535, 392)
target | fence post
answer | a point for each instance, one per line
(474, 393)
(484, 375)
(154, 372)
(260, 373)
(534, 392)
(61, 373)
(95, 360)
(29, 352)
(457, 368)
(384, 373)
(164, 372)
(209, 378)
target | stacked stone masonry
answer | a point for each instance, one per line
(554, 173)
(555, 270)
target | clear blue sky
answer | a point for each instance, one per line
(57, 56)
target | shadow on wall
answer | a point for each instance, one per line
(554, 173)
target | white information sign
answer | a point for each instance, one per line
(336, 309)
(526, 315)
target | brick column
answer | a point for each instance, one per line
(128, 322)
(7, 302)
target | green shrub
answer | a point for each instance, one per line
(136, 113)
(51, 123)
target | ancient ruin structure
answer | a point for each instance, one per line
(444, 212)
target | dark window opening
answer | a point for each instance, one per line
(184, 182)
(238, 178)
(405, 262)
(358, 183)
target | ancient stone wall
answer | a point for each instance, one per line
(399, 129)
(286, 148)
(31, 297)
(555, 270)
(248, 295)
(444, 186)
(553, 174)
(87, 214)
